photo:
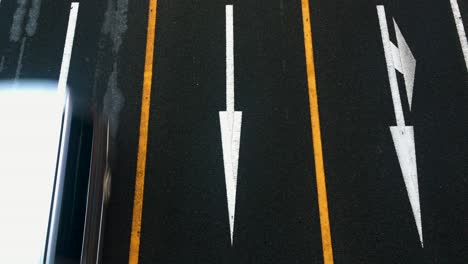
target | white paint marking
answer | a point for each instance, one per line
(403, 138)
(400, 58)
(230, 123)
(460, 29)
(407, 63)
(400, 119)
(229, 59)
(67, 51)
(19, 65)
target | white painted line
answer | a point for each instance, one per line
(460, 29)
(229, 59)
(67, 51)
(400, 119)
(400, 58)
(230, 124)
(19, 64)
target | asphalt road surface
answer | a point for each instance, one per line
(390, 79)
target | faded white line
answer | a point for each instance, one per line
(19, 65)
(33, 16)
(19, 17)
(460, 29)
(115, 22)
(114, 28)
(67, 51)
(16, 30)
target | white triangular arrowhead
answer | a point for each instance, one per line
(408, 63)
(403, 138)
(230, 136)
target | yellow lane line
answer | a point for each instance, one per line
(316, 137)
(143, 139)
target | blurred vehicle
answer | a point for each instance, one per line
(54, 176)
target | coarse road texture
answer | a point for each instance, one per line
(279, 218)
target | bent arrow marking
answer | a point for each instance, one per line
(407, 63)
(401, 59)
(230, 123)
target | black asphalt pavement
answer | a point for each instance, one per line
(185, 214)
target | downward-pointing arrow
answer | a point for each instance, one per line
(400, 58)
(403, 138)
(230, 122)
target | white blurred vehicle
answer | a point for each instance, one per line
(54, 177)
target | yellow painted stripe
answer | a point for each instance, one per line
(316, 137)
(143, 139)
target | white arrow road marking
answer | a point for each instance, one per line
(407, 63)
(400, 58)
(230, 122)
(460, 29)
(403, 138)
(67, 51)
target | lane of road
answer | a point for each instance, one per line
(185, 213)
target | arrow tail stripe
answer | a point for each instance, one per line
(229, 59)
(387, 45)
